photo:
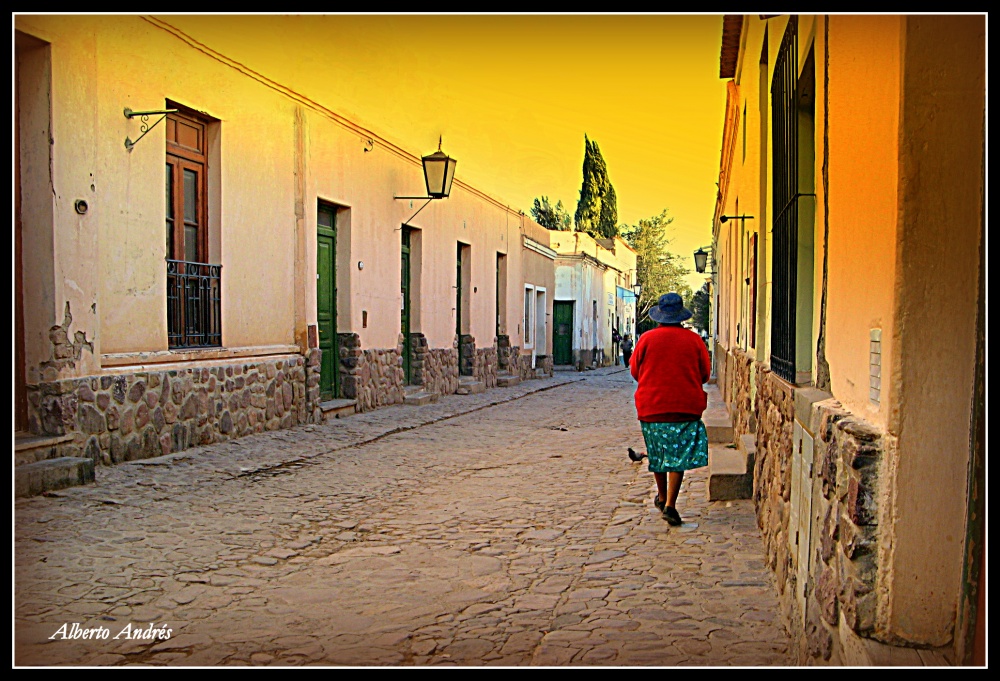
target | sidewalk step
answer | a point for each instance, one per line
(470, 386)
(730, 470)
(507, 380)
(418, 399)
(720, 429)
(338, 408)
(32, 479)
(32, 448)
(716, 417)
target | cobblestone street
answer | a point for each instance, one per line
(502, 528)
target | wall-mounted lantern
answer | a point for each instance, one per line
(700, 260)
(439, 172)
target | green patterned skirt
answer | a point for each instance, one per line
(674, 447)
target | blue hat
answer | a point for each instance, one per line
(670, 310)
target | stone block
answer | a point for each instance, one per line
(90, 420)
(137, 391)
(860, 502)
(52, 474)
(826, 595)
(728, 476)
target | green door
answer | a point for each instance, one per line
(458, 305)
(562, 336)
(404, 308)
(326, 302)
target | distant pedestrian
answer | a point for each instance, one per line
(616, 339)
(627, 346)
(671, 365)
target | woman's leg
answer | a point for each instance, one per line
(673, 486)
(661, 486)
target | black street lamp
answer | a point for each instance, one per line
(439, 172)
(700, 260)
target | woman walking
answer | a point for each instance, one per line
(671, 364)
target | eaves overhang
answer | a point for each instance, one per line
(732, 26)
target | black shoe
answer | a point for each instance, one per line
(660, 504)
(671, 515)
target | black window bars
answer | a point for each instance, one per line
(785, 172)
(194, 304)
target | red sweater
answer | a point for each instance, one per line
(671, 364)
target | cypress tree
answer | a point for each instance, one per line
(588, 209)
(597, 210)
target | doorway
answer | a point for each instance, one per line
(404, 308)
(562, 336)
(326, 301)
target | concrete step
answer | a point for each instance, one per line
(730, 469)
(35, 478)
(420, 398)
(31, 448)
(564, 367)
(507, 380)
(720, 428)
(470, 386)
(727, 474)
(338, 409)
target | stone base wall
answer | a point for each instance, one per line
(772, 479)
(130, 416)
(510, 359)
(847, 453)
(742, 369)
(372, 377)
(506, 354)
(486, 366)
(467, 361)
(524, 369)
(544, 362)
(435, 369)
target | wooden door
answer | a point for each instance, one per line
(562, 333)
(404, 308)
(326, 302)
(458, 303)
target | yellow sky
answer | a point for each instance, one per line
(513, 96)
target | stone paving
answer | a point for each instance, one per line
(502, 528)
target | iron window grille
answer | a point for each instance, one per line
(194, 304)
(785, 171)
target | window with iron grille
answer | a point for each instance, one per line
(193, 284)
(784, 195)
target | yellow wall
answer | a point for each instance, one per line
(863, 204)
(941, 218)
(275, 155)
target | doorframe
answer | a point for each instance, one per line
(405, 310)
(571, 304)
(331, 232)
(541, 326)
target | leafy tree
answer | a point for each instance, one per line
(597, 209)
(700, 304)
(659, 270)
(552, 217)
